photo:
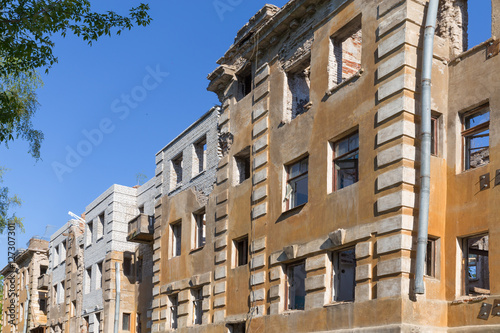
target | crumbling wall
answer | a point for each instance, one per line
(453, 24)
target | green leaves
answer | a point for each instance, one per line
(7, 202)
(26, 29)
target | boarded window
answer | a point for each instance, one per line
(345, 162)
(242, 166)
(297, 184)
(476, 267)
(345, 55)
(299, 84)
(296, 288)
(476, 137)
(344, 275)
(176, 232)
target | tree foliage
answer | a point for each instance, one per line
(7, 202)
(27, 27)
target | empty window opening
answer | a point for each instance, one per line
(54, 295)
(345, 162)
(200, 219)
(241, 248)
(126, 322)
(236, 328)
(86, 323)
(174, 304)
(345, 54)
(476, 137)
(90, 230)
(297, 184)
(75, 262)
(43, 269)
(465, 23)
(299, 84)
(56, 258)
(100, 226)
(60, 295)
(98, 276)
(62, 251)
(127, 266)
(97, 323)
(72, 312)
(296, 288)
(242, 166)
(200, 156)
(344, 275)
(177, 170)
(88, 278)
(430, 258)
(176, 231)
(245, 82)
(434, 135)
(476, 265)
(197, 306)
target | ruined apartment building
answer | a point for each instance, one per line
(311, 225)
(25, 282)
(65, 278)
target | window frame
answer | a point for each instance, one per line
(243, 243)
(465, 264)
(176, 240)
(335, 278)
(129, 316)
(335, 178)
(197, 299)
(174, 313)
(467, 134)
(289, 189)
(200, 214)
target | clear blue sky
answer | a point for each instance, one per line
(88, 89)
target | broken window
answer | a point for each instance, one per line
(88, 278)
(476, 265)
(176, 231)
(241, 248)
(90, 230)
(199, 156)
(297, 184)
(236, 328)
(174, 304)
(296, 288)
(430, 258)
(100, 226)
(345, 55)
(177, 170)
(98, 276)
(345, 161)
(200, 219)
(197, 306)
(42, 301)
(476, 137)
(244, 82)
(126, 322)
(299, 84)
(344, 275)
(242, 163)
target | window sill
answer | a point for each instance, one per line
(337, 303)
(472, 169)
(199, 174)
(470, 299)
(472, 50)
(346, 82)
(289, 312)
(294, 209)
(198, 249)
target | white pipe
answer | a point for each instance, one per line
(26, 309)
(425, 149)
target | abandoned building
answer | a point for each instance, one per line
(25, 289)
(295, 205)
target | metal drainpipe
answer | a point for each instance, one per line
(425, 159)
(26, 308)
(117, 299)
